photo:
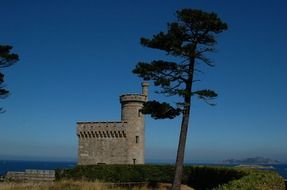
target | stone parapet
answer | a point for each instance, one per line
(101, 129)
(100, 125)
(133, 98)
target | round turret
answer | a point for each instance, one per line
(133, 98)
(131, 105)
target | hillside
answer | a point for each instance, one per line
(256, 160)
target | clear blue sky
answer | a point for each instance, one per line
(77, 58)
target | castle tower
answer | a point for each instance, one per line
(115, 142)
(131, 104)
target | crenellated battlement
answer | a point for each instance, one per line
(133, 98)
(101, 134)
(101, 129)
(99, 124)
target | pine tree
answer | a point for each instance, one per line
(188, 40)
(6, 59)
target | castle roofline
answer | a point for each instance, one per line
(133, 98)
(101, 122)
(135, 94)
(101, 125)
(101, 129)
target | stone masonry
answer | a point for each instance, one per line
(30, 175)
(120, 142)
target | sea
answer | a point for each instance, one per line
(18, 165)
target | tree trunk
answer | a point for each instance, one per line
(183, 131)
(180, 151)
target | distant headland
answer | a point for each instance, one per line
(256, 160)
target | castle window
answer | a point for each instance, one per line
(134, 161)
(139, 113)
(137, 139)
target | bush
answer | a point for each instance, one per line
(255, 180)
(199, 177)
(119, 173)
(203, 177)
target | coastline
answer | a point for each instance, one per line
(19, 165)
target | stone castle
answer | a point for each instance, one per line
(120, 142)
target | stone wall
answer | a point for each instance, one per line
(102, 142)
(30, 175)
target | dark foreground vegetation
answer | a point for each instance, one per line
(199, 177)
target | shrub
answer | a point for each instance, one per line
(119, 173)
(255, 180)
(203, 177)
(199, 177)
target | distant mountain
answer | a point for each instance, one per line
(256, 160)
